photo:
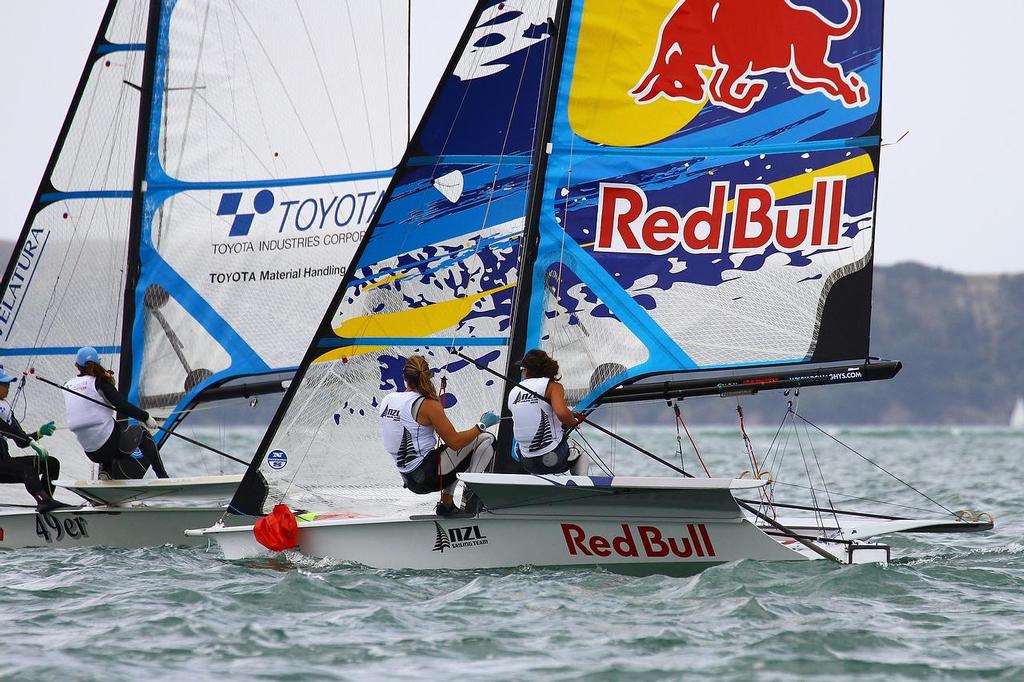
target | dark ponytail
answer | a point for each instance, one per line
(540, 364)
(95, 369)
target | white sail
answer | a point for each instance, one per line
(64, 286)
(209, 254)
(1017, 416)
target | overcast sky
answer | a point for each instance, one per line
(950, 79)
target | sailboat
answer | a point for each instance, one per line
(653, 197)
(215, 172)
(1017, 415)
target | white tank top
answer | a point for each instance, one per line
(534, 424)
(92, 424)
(405, 439)
(5, 412)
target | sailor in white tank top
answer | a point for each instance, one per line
(534, 424)
(405, 439)
(92, 424)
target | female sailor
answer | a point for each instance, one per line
(411, 421)
(542, 443)
(122, 451)
(36, 473)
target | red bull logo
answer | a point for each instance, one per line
(640, 541)
(625, 223)
(736, 39)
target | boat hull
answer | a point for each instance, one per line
(635, 546)
(127, 527)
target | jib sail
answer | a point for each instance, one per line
(438, 268)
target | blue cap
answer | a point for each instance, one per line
(86, 355)
(6, 378)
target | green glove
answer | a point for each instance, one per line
(40, 450)
(47, 429)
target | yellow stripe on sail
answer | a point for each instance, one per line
(424, 321)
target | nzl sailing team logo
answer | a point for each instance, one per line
(727, 38)
(457, 538)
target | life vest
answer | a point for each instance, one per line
(92, 424)
(405, 439)
(534, 424)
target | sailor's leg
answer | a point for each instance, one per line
(151, 456)
(483, 453)
(580, 465)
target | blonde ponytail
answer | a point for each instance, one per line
(417, 377)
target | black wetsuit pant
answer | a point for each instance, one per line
(35, 475)
(141, 454)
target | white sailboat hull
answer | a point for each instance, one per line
(127, 527)
(638, 546)
(629, 525)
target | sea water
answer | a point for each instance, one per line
(949, 607)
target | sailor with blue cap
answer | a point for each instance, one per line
(37, 472)
(97, 414)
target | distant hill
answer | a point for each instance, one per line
(960, 337)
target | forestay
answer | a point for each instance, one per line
(438, 268)
(64, 285)
(709, 199)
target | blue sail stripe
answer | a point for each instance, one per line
(444, 342)
(183, 186)
(87, 194)
(107, 48)
(57, 350)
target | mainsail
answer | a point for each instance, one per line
(709, 199)
(215, 173)
(702, 198)
(438, 268)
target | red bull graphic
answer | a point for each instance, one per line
(693, 541)
(625, 224)
(709, 49)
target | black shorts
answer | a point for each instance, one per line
(424, 479)
(554, 462)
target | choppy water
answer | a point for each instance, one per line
(951, 607)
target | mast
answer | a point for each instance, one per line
(138, 193)
(503, 462)
(45, 185)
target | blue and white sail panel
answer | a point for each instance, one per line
(438, 269)
(709, 200)
(275, 128)
(64, 286)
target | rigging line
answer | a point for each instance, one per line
(161, 428)
(824, 483)
(600, 428)
(876, 465)
(387, 84)
(327, 89)
(771, 445)
(600, 462)
(861, 499)
(693, 443)
(810, 481)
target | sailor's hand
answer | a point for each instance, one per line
(488, 419)
(151, 425)
(580, 417)
(40, 450)
(47, 429)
